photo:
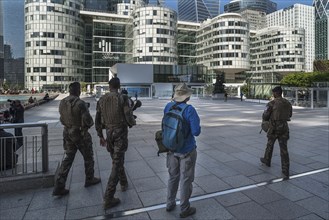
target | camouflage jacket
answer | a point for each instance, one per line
(74, 113)
(113, 110)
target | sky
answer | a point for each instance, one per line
(14, 20)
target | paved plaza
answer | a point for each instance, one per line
(230, 182)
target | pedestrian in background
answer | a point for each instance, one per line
(278, 112)
(225, 97)
(241, 96)
(17, 112)
(181, 164)
(75, 116)
(114, 112)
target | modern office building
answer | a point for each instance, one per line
(266, 6)
(155, 2)
(297, 16)
(223, 45)
(1, 46)
(54, 43)
(276, 51)
(197, 10)
(256, 19)
(321, 29)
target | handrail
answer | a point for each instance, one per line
(44, 135)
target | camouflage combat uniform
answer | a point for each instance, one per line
(278, 112)
(75, 117)
(114, 113)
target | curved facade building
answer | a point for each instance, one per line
(321, 29)
(266, 6)
(154, 34)
(277, 50)
(54, 44)
(223, 44)
(2, 68)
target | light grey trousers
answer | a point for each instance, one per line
(181, 169)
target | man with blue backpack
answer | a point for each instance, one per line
(180, 124)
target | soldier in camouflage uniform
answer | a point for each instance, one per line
(114, 113)
(75, 117)
(278, 112)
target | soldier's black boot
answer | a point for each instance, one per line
(110, 203)
(266, 162)
(60, 192)
(285, 175)
(93, 181)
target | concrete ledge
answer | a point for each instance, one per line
(29, 181)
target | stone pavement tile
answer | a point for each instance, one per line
(247, 157)
(210, 209)
(140, 216)
(228, 149)
(290, 191)
(43, 199)
(232, 199)
(80, 196)
(295, 158)
(316, 205)
(317, 165)
(161, 214)
(211, 184)
(104, 162)
(129, 200)
(57, 213)
(16, 199)
(250, 210)
(206, 161)
(148, 183)
(238, 180)
(262, 177)
(138, 169)
(131, 154)
(13, 213)
(310, 217)
(322, 177)
(223, 171)
(244, 168)
(298, 168)
(153, 197)
(85, 212)
(262, 195)
(200, 171)
(164, 176)
(201, 146)
(312, 186)
(286, 209)
(157, 164)
(147, 150)
(321, 158)
(219, 156)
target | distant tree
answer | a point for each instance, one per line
(305, 79)
(219, 87)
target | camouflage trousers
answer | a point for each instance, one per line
(74, 141)
(283, 140)
(117, 145)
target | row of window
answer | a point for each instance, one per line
(44, 69)
(155, 59)
(52, 35)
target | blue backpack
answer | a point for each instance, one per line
(175, 128)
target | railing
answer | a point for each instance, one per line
(24, 159)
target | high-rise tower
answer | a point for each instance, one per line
(197, 10)
(321, 29)
(266, 6)
(1, 45)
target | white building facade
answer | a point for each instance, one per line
(298, 16)
(223, 45)
(54, 44)
(276, 50)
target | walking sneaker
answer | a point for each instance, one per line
(111, 203)
(188, 212)
(170, 208)
(264, 161)
(93, 181)
(124, 187)
(60, 192)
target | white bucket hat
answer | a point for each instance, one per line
(182, 92)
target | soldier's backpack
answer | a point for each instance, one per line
(175, 129)
(65, 110)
